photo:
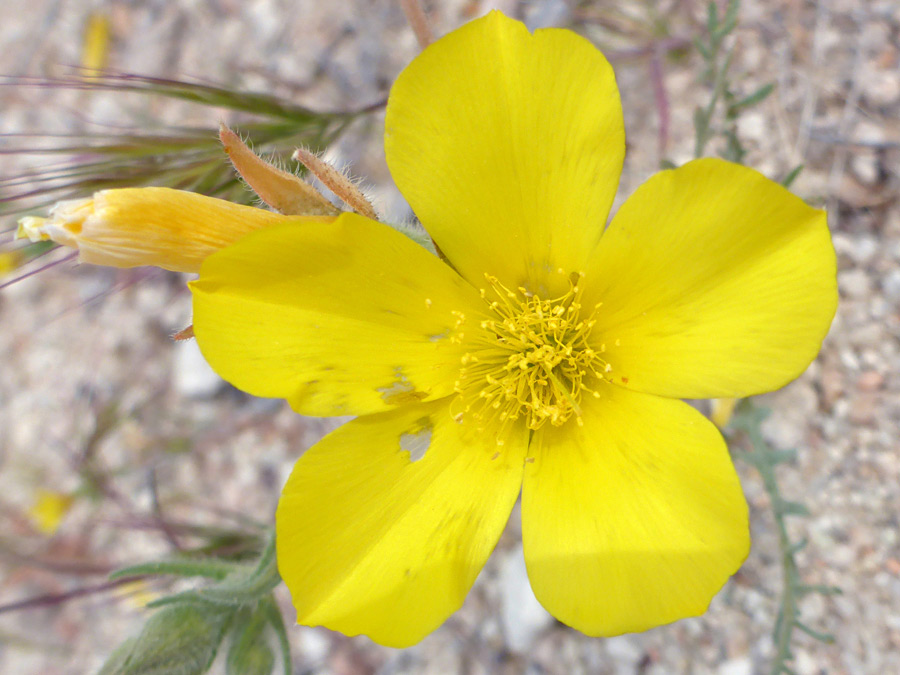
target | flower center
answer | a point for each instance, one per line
(531, 359)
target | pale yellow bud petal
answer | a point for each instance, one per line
(167, 228)
(279, 189)
(722, 410)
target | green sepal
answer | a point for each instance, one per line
(417, 233)
(179, 640)
(115, 664)
(270, 609)
(250, 653)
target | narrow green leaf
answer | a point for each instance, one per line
(703, 49)
(211, 569)
(701, 126)
(789, 508)
(734, 151)
(244, 587)
(781, 456)
(756, 97)
(788, 180)
(188, 598)
(37, 248)
(729, 21)
(712, 17)
(250, 586)
(797, 547)
(818, 635)
(806, 589)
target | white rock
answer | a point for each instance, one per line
(869, 132)
(785, 427)
(625, 654)
(523, 616)
(854, 283)
(752, 126)
(805, 664)
(891, 285)
(548, 13)
(865, 167)
(864, 248)
(739, 666)
(193, 377)
(883, 89)
(315, 644)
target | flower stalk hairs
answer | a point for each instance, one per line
(542, 354)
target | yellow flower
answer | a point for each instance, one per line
(49, 509)
(547, 357)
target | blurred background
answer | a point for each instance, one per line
(118, 445)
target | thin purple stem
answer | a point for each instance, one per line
(69, 257)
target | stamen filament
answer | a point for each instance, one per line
(532, 360)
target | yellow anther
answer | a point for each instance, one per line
(533, 359)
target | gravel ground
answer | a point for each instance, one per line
(81, 345)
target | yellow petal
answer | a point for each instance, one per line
(172, 229)
(635, 519)
(715, 282)
(384, 525)
(508, 146)
(343, 318)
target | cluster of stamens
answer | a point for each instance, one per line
(532, 359)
